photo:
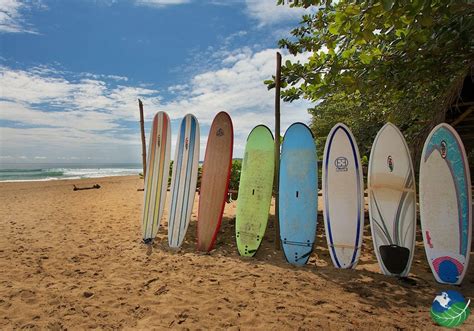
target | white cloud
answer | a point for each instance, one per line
(64, 144)
(160, 3)
(237, 87)
(49, 112)
(57, 113)
(11, 15)
(51, 87)
(266, 12)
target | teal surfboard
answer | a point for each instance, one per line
(298, 194)
(255, 190)
(446, 204)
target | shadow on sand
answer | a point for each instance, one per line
(366, 281)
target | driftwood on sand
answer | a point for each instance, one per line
(95, 186)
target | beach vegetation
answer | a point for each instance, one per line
(369, 62)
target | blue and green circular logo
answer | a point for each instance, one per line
(450, 309)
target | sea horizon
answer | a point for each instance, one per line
(24, 172)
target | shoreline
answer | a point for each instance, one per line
(62, 179)
(59, 180)
(74, 259)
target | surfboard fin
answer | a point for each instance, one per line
(304, 256)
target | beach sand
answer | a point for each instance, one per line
(74, 259)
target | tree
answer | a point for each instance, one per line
(373, 61)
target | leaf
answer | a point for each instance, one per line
(388, 4)
(340, 17)
(352, 10)
(334, 28)
(347, 53)
(368, 35)
(456, 314)
(416, 6)
(365, 57)
(426, 20)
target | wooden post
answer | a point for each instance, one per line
(277, 149)
(142, 128)
(463, 116)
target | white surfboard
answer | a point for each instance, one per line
(183, 180)
(446, 204)
(343, 192)
(392, 201)
(156, 179)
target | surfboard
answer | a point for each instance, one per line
(255, 190)
(183, 180)
(156, 178)
(343, 192)
(214, 180)
(298, 194)
(392, 201)
(446, 204)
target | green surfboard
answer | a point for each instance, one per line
(255, 190)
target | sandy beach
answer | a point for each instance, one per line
(74, 260)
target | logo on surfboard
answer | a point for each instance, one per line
(186, 143)
(341, 163)
(220, 132)
(444, 149)
(159, 140)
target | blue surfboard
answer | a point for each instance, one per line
(298, 194)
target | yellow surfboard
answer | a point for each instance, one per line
(156, 179)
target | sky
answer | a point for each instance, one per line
(71, 73)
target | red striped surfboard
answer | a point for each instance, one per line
(215, 180)
(156, 179)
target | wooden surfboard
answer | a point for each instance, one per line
(255, 190)
(392, 201)
(183, 180)
(214, 180)
(298, 194)
(446, 204)
(343, 192)
(156, 179)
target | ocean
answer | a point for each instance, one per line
(44, 172)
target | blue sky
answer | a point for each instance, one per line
(71, 73)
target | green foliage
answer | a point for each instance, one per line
(369, 62)
(235, 174)
(170, 173)
(198, 185)
(349, 110)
